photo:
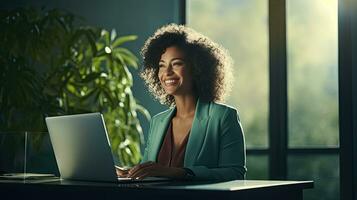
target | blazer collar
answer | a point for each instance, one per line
(197, 133)
(160, 131)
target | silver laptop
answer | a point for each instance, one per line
(82, 148)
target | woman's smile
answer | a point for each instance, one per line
(171, 82)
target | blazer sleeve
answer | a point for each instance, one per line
(148, 141)
(231, 164)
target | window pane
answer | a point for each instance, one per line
(322, 169)
(241, 27)
(257, 167)
(312, 73)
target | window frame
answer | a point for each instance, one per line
(347, 79)
(278, 119)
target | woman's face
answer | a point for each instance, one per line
(174, 73)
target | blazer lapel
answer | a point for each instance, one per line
(159, 133)
(198, 133)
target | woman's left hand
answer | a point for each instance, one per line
(154, 169)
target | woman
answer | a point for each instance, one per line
(197, 138)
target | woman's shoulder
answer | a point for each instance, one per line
(222, 107)
(163, 114)
(215, 109)
(221, 111)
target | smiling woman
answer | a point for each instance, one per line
(174, 74)
(210, 63)
(197, 138)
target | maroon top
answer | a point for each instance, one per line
(167, 155)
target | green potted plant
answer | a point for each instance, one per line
(51, 65)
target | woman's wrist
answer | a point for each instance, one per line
(183, 173)
(179, 173)
(189, 173)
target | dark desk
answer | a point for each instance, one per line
(247, 189)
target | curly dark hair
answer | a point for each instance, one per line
(210, 63)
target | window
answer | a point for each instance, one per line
(312, 146)
(245, 34)
(312, 73)
(312, 55)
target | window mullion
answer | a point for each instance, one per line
(347, 31)
(278, 90)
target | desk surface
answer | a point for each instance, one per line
(186, 185)
(243, 189)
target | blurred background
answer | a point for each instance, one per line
(241, 26)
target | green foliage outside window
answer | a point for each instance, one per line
(242, 27)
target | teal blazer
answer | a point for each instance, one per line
(215, 149)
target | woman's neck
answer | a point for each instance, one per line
(185, 106)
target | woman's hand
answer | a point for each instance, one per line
(122, 172)
(154, 169)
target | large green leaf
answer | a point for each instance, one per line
(105, 37)
(119, 41)
(143, 111)
(127, 57)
